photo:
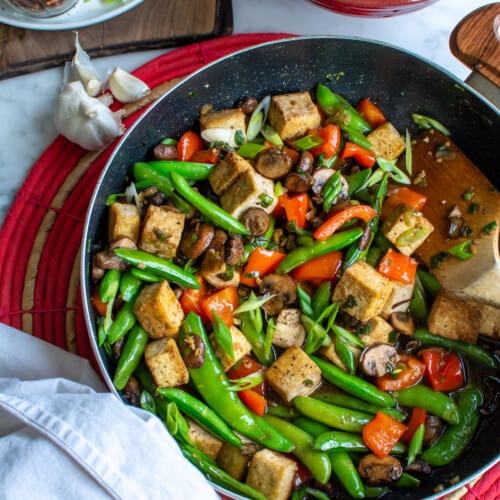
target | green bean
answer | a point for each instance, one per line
(109, 285)
(334, 416)
(316, 461)
(354, 385)
(455, 439)
(201, 414)
(143, 275)
(474, 352)
(129, 286)
(344, 468)
(217, 475)
(301, 255)
(347, 401)
(322, 298)
(415, 446)
(130, 356)
(437, 403)
(124, 321)
(206, 207)
(162, 267)
(190, 170)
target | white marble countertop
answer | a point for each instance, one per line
(26, 102)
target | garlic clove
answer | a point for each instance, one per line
(126, 87)
(85, 120)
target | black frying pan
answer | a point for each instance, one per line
(398, 81)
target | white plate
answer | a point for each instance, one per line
(84, 13)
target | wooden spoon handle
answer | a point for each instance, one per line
(475, 41)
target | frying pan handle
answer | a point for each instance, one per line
(475, 42)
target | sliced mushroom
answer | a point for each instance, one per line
(234, 250)
(108, 260)
(305, 164)
(256, 220)
(378, 360)
(433, 429)
(320, 177)
(403, 322)
(456, 222)
(123, 242)
(132, 392)
(247, 104)
(165, 152)
(298, 182)
(97, 272)
(196, 239)
(284, 289)
(380, 471)
(273, 163)
(419, 466)
(193, 351)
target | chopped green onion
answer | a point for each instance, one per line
(222, 335)
(250, 149)
(147, 402)
(243, 383)
(394, 172)
(426, 122)
(278, 189)
(253, 303)
(258, 118)
(307, 142)
(271, 135)
(408, 152)
(268, 341)
(265, 200)
(305, 302)
(113, 197)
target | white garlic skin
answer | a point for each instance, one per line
(126, 87)
(85, 120)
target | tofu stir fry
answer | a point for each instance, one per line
(259, 290)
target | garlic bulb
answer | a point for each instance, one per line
(80, 69)
(85, 120)
(126, 87)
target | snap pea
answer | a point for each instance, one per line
(455, 439)
(331, 415)
(347, 401)
(130, 356)
(213, 385)
(312, 427)
(344, 468)
(375, 491)
(321, 298)
(143, 275)
(437, 403)
(162, 267)
(206, 207)
(356, 136)
(109, 285)
(129, 286)
(474, 352)
(429, 281)
(201, 413)
(407, 481)
(303, 254)
(415, 446)
(316, 461)
(217, 475)
(145, 176)
(418, 303)
(353, 385)
(124, 321)
(348, 441)
(281, 410)
(358, 180)
(188, 169)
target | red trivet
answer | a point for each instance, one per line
(41, 235)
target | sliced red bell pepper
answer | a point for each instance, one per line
(418, 417)
(296, 208)
(371, 113)
(337, 220)
(223, 302)
(397, 266)
(260, 263)
(331, 141)
(188, 143)
(363, 156)
(443, 369)
(382, 433)
(254, 401)
(100, 306)
(205, 156)
(246, 366)
(191, 298)
(404, 195)
(320, 268)
(409, 371)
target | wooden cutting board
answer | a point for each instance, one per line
(153, 24)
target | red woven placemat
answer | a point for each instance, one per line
(41, 235)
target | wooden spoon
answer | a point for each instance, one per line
(445, 182)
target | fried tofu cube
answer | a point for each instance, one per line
(378, 331)
(292, 115)
(124, 221)
(489, 320)
(454, 319)
(362, 291)
(241, 347)
(165, 363)
(162, 231)
(387, 141)
(227, 171)
(249, 190)
(293, 374)
(289, 330)
(272, 474)
(406, 228)
(158, 310)
(232, 119)
(399, 299)
(203, 440)
(233, 461)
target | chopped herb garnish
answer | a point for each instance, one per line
(473, 208)
(469, 194)
(350, 302)
(466, 230)
(438, 258)
(308, 382)
(239, 137)
(489, 227)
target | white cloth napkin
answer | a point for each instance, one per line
(63, 436)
